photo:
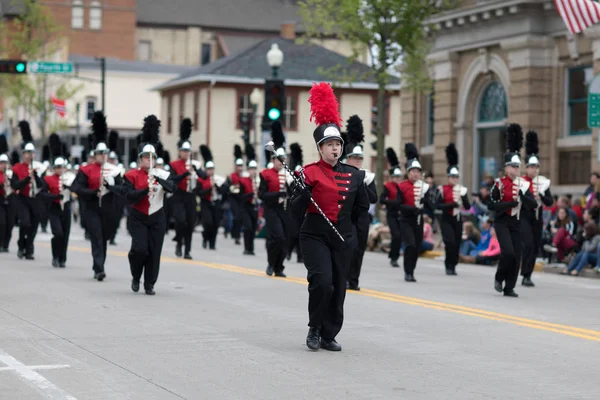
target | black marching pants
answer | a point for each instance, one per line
(28, 209)
(411, 228)
(452, 236)
(237, 212)
(276, 219)
(250, 222)
(100, 233)
(360, 232)
(60, 224)
(393, 221)
(531, 236)
(184, 211)
(3, 223)
(327, 269)
(148, 234)
(11, 217)
(211, 220)
(508, 231)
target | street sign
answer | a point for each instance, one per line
(44, 67)
(594, 103)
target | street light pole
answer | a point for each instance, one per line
(102, 80)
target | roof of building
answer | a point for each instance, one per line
(9, 7)
(259, 15)
(303, 64)
(86, 62)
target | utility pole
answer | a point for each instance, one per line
(103, 80)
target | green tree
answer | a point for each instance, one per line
(391, 30)
(33, 35)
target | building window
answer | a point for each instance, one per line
(244, 107)
(575, 167)
(290, 114)
(77, 14)
(90, 107)
(206, 50)
(578, 81)
(145, 50)
(493, 103)
(430, 118)
(96, 15)
(169, 114)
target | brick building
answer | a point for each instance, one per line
(495, 62)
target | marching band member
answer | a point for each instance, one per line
(95, 184)
(187, 172)
(532, 222)
(451, 199)
(113, 158)
(249, 198)
(339, 191)
(145, 188)
(11, 200)
(295, 164)
(28, 184)
(5, 191)
(234, 200)
(273, 192)
(508, 195)
(360, 221)
(59, 193)
(211, 190)
(389, 198)
(412, 196)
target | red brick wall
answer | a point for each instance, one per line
(116, 38)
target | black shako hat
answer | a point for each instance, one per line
(452, 160)
(514, 143)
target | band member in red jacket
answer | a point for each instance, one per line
(273, 191)
(211, 190)
(27, 181)
(186, 173)
(248, 200)
(59, 195)
(235, 203)
(508, 195)
(5, 191)
(412, 196)
(95, 184)
(389, 198)
(451, 199)
(340, 192)
(145, 187)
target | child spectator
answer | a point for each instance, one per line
(428, 241)
(562, 229)
(589, 251)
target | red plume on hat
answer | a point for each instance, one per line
(324, 107)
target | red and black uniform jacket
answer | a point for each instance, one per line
(389, 196)
(406, 200)
(536, 212)
(340, 193)
(503, 199)
(272, 188)
(2, 192)
(445, 200)
(21, 180)
(87, 184)
(180, 173)
(135, 189)
(52, 192)
(246, 190)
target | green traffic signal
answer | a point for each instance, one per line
(274, 114)
(20, 67)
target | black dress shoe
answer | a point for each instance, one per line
(313, 339)
(269, 270)
(498, 286)
(213, 247)
(409, 278)
(20, 254)
(353, 287)
(150, 292)
(112, 242)
(394, 263)
(29, 257)
(237, 241)
(135, 285)
(205, 244)
(187, 256)
(450, 272)
(248, 253)
(100, 276)
(527, 282)
(62, 264)
(300, 260)
(511, 293)
(55, 262)
(330, 345)
(280, 275)
(178, 251)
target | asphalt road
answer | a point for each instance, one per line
(219, 328)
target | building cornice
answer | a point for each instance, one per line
(530, 51)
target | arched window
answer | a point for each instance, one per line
(493, 103)
(96, 15)
(77, 14)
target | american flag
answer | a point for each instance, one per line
(59, 106)
(578, 14)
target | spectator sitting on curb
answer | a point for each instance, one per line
(469, 248)
(589, 251)
(487, 256)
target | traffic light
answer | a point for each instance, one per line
(245, 126)
(274, 99)
(13, 67)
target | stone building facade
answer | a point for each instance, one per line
(497, 62)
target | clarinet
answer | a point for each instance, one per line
(101, 185)
(150, 181)
(32, 187)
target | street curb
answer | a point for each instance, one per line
(432, 254)
(556, 268)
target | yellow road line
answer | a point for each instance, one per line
(588, 334)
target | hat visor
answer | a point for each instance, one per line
(359, 155)
(512, 164)
(327, 138)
